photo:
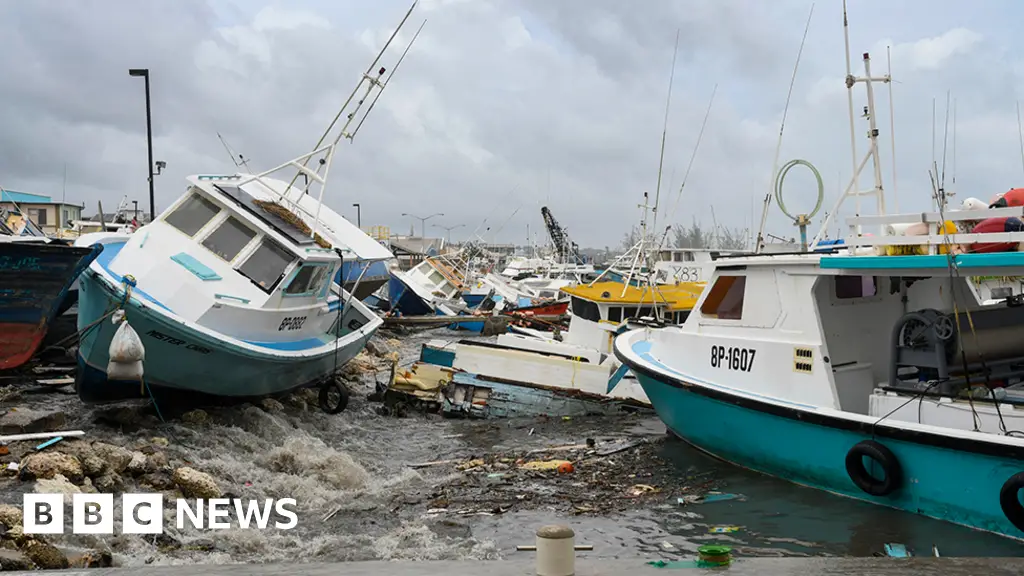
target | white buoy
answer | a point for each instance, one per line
(556, 551)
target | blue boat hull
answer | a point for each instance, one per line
(376, 275)
(180, 360)
(437, 356)
(35, 278)
(955, 480)
(405, 301)
(473, 300)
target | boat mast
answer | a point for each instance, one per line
(872, 155)
(324, 153)
(778, 147)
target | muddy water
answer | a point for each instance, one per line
(356, 464)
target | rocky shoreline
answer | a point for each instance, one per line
(133, 459)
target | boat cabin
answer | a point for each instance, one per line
(598, 311)
(856, 333)
(687, 264)
(230, 256)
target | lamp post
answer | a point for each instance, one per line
(359, 217)
(448, 229)
(423, 222)
(144, 73)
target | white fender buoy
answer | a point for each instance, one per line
(556, 551)
(126, 351)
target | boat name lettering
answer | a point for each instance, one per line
(687, 274)
(177, 342)
(292, 323)
(23, 263)
(741, 359)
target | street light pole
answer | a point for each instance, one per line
(448, 229)
(359, 217)
(423, 221)
(144, 72)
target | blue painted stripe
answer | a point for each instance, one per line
(916, 262)
(190, 263)
(294, 345)
(110, 251)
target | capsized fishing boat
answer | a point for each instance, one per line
(35, 276)
(231, 289)
(867, 372)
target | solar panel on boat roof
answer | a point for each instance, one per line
(245, 200)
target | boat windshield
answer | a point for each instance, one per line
(266, 266)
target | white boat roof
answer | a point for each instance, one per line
(332, 226)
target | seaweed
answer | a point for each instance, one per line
(291, 218)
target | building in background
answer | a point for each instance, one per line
(46, 214)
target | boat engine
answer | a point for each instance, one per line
(928, 340)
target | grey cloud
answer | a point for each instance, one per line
(478, 107)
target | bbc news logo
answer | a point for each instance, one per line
(144, 513)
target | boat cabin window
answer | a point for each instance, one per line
(615, 314)
(309, 279)
(586, 309)
(856, 286)
(677, 257)
(666, 256)
(229, 238)
(266, 265)
(725, 300)
(191, 215)
(637, 312)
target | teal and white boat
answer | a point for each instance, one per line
(860, 369)
(232, 290)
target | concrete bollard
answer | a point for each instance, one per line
(556, 551)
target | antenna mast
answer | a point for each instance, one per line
(869, 113)
(664, 134)
(782, 127)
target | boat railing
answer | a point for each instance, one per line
(893, 225)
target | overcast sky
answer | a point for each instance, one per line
(506, 104)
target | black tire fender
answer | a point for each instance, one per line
(1009, 500)
(884, 458)
(325, 397)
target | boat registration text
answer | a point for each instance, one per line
(741, 359)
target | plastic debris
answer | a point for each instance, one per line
(544, 464)
(897, 550)
(641, 489)
(714, 555)
(723, 529)
(708, 498)
(674, 564)
(49, 442)
(470, 464)
(126, 351)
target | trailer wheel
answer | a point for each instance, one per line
(333, 397)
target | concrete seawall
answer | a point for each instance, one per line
(740, 567)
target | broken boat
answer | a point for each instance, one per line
(578, 362)
(36, 274)
(231, 290)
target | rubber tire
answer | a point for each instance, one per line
(1009, 500)
(884, 458)
(325, 397)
